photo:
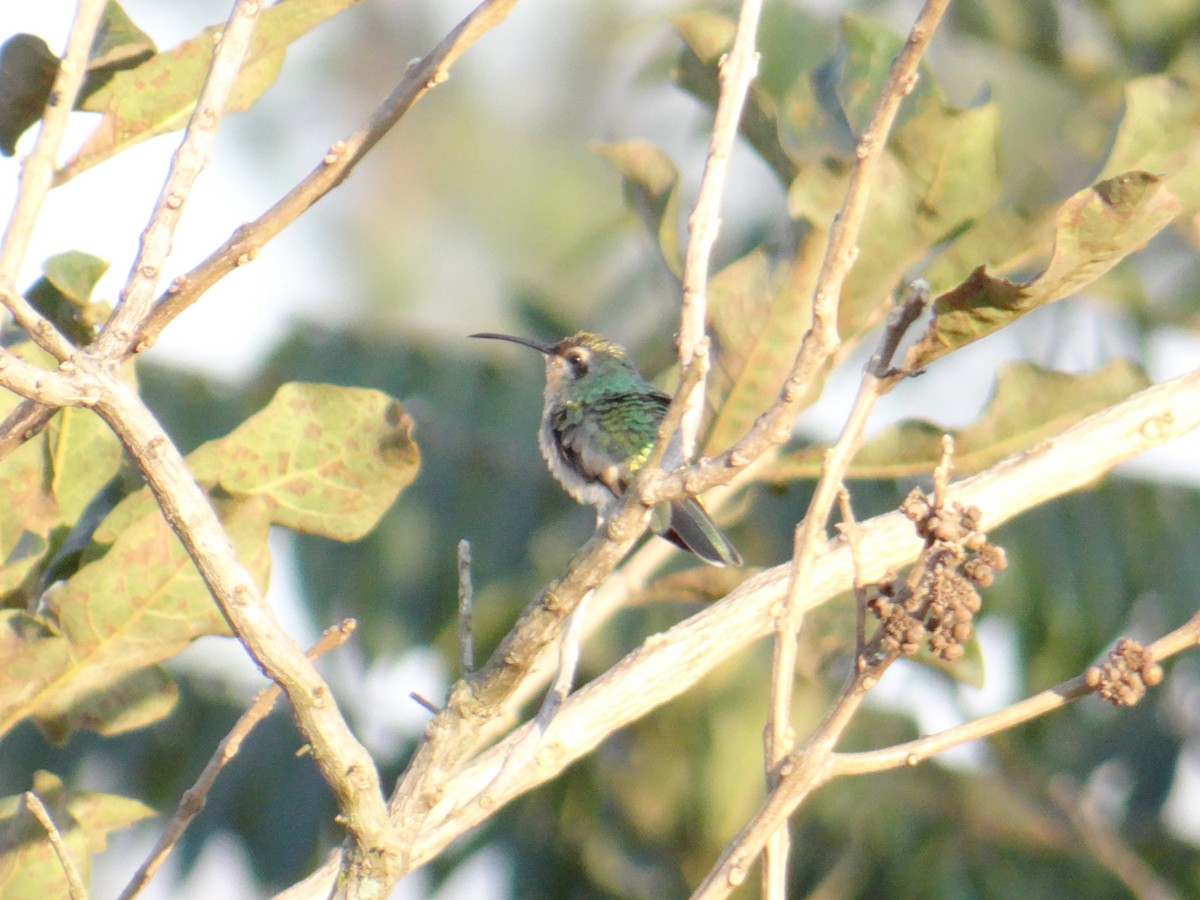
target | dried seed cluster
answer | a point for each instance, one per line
(939, 604)
(1124, 678)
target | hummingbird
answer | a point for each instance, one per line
(599, 424)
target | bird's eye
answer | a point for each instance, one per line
(578, 362)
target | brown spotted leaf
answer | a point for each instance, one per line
(80, 663)
(329, 460)
(159, 95)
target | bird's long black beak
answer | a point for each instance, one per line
(541, 346)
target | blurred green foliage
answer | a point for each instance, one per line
(1020, 106)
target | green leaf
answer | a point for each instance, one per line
(939, 175)
(1029, 404)
(863, 63)
(650, 182)
(328, 460)
(27, 73)
(75, 274)
(118, 45)
(1094, 230)
(63, 294)
(1159, 132)
(46, 483)
(758, 320)
(140, 603)
(158, 96)
(29, 866)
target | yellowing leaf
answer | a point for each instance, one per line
(159, 95)
(1094, 230)
(1029, 404)
(329, 460)
(29, 866)
(140, 603)
(758, 320)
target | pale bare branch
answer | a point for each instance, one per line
(37, 177)
(195, 797)
(670, 663)
(75, 885)
(186, 165)
(821, 342)
(736, 71)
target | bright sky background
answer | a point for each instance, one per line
(295, 278)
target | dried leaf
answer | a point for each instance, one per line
(1094, 230)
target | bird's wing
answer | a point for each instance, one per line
(612, 439)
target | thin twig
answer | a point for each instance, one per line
(736, 71)
(916, 300)
(1106, 845)
(942, 472)
(910, 753)
(424, 702)
(809, 537)
(186, 165)
(821, 342)
(195, 797)
(74, 883)
(672, 662)
(245, 243)
(37, 176)
(466, 616)
(849, 529)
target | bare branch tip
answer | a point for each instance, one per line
(424, 703)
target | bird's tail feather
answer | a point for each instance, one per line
(691, 528)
